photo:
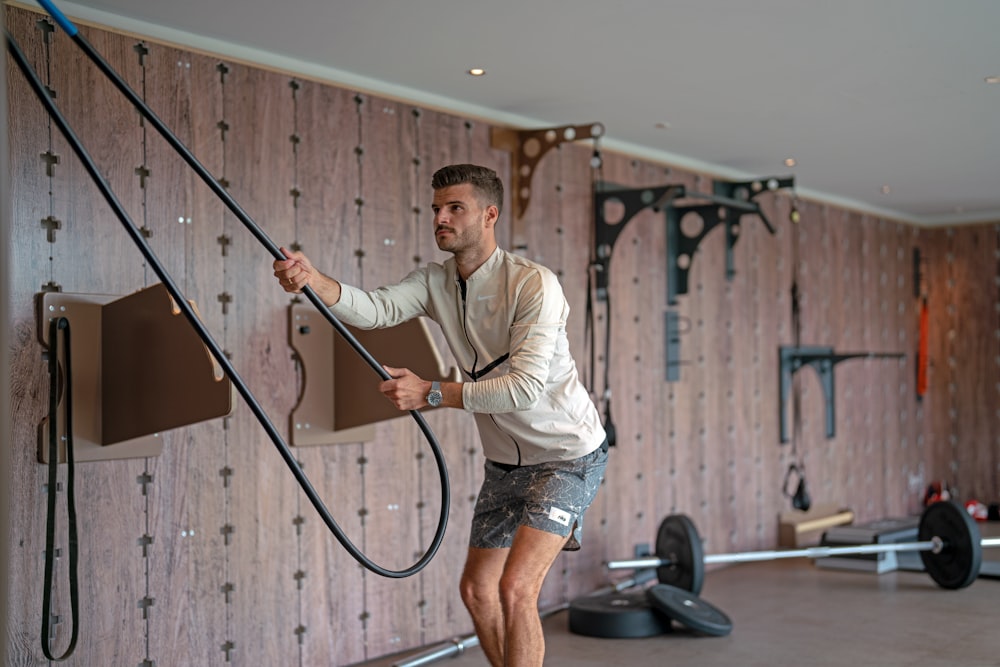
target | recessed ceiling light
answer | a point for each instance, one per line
(886, 189)
(993, 79)
(662, 125)
(477, 71)
(790, 162)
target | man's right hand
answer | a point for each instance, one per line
(296, 272)
(293, 273)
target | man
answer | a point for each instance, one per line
(504, 318)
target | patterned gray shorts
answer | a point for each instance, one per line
(547, 496)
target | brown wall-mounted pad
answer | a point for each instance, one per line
(340, 396)
(138, 369)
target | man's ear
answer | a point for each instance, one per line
(492, 215)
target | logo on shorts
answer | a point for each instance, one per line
(559, 516)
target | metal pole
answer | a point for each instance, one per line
(935, 544)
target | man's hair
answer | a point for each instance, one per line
(486, 183)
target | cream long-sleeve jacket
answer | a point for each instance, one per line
(506, 327)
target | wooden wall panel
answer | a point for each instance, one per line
(102, 118)
(580, 572)
(389, 243)
(625, 497)
(187, 496)
(262, 495)
(166, 89)
(277, 587)
(329, 581)
(974, 254)
(828, 469)
(675, 462)
(774, 325)
(894, 337)
(937, 402)
(706, 288)
(88, 231)
(638, 379)
(28, 133)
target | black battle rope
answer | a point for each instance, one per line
(200, 328)
(50, 520)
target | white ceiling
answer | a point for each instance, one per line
(862, 93)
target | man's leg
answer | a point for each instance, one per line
(530, 558)
(480, 588)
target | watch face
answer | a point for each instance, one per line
(434, 396)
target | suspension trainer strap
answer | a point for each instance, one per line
(50, 520)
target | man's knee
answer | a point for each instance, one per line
(518, 592)
(477, 593)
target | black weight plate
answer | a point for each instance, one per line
(677, 541)
(957, 565)
(689, 610)
(616, 615)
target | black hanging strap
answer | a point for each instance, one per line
(50, 520)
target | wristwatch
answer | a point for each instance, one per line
(434, 395)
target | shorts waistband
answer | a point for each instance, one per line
(507, 467)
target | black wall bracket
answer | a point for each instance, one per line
(823, 360)
(606, 232)
(728, 203)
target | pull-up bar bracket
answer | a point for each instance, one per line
(823, 360)
(632, 200)
(729, 202)
(527, 147)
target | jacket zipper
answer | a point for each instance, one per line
(475, 362)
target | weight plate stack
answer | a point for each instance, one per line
(616, 615)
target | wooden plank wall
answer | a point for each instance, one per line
(211, 554)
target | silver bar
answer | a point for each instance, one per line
(450, 649)
(811, 552)
(990, 542)
(823, 552)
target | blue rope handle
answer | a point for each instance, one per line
(59, 17)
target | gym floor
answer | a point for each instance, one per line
(790, 612)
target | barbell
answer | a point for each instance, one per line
(948, 541)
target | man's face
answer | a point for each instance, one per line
(459, 220)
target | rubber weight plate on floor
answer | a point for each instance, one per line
(689, 610)
(957, 564)
(616, 615)
(677, 541)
